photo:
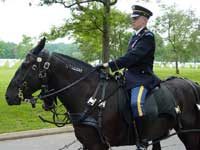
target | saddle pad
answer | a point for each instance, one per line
(160, 102)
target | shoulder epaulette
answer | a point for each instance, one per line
(148, 33)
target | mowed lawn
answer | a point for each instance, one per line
(18, 118)
(193, 74)
(23, 117)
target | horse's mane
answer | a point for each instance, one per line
(72, 61)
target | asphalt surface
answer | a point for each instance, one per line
(61, 139)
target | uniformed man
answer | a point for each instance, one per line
(138, 61)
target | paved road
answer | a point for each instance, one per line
(58, 141)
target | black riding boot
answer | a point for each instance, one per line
(140, 144)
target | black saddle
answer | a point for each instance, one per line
(159, 102)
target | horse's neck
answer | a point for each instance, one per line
(74, 98)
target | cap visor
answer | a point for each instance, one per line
(134, 15)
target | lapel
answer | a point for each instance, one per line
(141, 32)
(135, 38)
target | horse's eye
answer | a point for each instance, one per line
(24, 83)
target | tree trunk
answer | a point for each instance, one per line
(177, 68)
(106, 32)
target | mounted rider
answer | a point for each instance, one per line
(138, 61)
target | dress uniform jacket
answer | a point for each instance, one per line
(138, 61)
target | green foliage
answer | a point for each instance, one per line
(7, 49)
(24, 46)
(193, 46)
(11, 50)
(86, 27)
(119, 35)
(160, 53)
(67, 49)
(177, 28)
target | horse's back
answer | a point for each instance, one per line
(183, 90)
(186, 93)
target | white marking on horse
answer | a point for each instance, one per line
(198, 106)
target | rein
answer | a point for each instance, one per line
(54, 111)
(66, 87)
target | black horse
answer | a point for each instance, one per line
(97, 127)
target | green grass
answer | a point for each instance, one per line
(18, 118)
(23, 117)
(193, 74)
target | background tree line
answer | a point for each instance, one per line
(19, 51)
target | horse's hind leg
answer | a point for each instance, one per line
(190, 140)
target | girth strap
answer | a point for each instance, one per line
(75, 119)
(93, 103)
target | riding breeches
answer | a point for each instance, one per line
(138, 95)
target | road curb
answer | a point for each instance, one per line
(35, 133)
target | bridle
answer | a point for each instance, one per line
(43, 69)
(42, 75)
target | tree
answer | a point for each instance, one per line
(176, 27)
(86, 28)
(67, 49)
(161, 52)
(82, 6)
(120, 36)
(23, 47)
(7, 49)
(193, 45)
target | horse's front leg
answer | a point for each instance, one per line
(83, 148)
(156, 146)
(95, 146)
(89, 137)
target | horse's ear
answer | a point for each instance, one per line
(39, 46)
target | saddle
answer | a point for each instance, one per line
(159, 102)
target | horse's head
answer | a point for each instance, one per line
(27, 78)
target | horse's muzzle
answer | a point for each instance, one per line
(12, 101)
